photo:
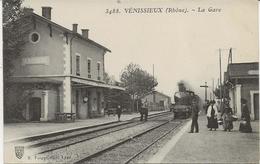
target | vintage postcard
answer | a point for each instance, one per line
(130, 81)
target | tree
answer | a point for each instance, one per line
(15, 31)
(137, 82)
(107, 78)
(114, 97)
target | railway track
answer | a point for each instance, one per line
(46, 143)
(91, 128)
(128, 149)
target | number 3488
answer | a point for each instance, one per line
(112, 11)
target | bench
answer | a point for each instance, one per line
(64, 117)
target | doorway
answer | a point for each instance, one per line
(35, 109)
(256, 106)
(77, 104)
(98, 102)
(89, 104)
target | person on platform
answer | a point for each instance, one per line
(218, 105)
(144, 111)
(118, 112)
(245, 125)
(206, 105)
(212, 114)
(195, 115)
(227, 113)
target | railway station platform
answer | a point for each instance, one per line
(14, 131)
(210, 146)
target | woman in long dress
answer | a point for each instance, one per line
(212, 114)
(246, 126)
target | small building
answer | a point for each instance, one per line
(157, 101)
(58, 71)
(242, 80)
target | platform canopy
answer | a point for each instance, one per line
(82, 83)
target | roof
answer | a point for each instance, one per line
(243, 70)
(68, 31)
(156, 92)
(82, 83)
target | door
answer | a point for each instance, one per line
(35, 109)
(77, 104)
(161, 103)
(98, 102)
(89, 104)
(256, 106)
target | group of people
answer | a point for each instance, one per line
(226, 117)
(212, 112)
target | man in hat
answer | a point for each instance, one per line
(195, 115)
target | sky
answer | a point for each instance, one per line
(182, 46)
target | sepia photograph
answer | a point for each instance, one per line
(130, 81)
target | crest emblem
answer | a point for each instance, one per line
(19, 151)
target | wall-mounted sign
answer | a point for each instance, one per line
(253, 72)
(36, 60)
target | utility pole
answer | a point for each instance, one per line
(220, 80)
(153, 89)
(213, 89)
(230, 56)
(205, 86)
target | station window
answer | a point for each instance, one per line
(98, 69)
(89, 68)
(34, 37)
(78, 65)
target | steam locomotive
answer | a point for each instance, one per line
(183, 100)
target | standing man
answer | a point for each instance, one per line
(118, 111)
(144, 110)
(206, 105)
(195, 115)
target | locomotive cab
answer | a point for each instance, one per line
(182, 106)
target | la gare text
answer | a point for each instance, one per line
(159, 10)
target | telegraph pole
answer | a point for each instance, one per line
(153, 89)
(230, 55)
(205, 86)
(213, 89)
(220, 79)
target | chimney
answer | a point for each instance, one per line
(46, 12)
(85, 33)
(74, 28)
(27, 11)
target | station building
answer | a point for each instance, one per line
(58, 71)
(157, 101)
(242, 80)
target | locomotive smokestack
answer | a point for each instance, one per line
(181, 87)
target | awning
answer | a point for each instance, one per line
(81, 83)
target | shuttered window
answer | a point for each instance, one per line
(78, 65)
(98, 69)
(89, 68)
